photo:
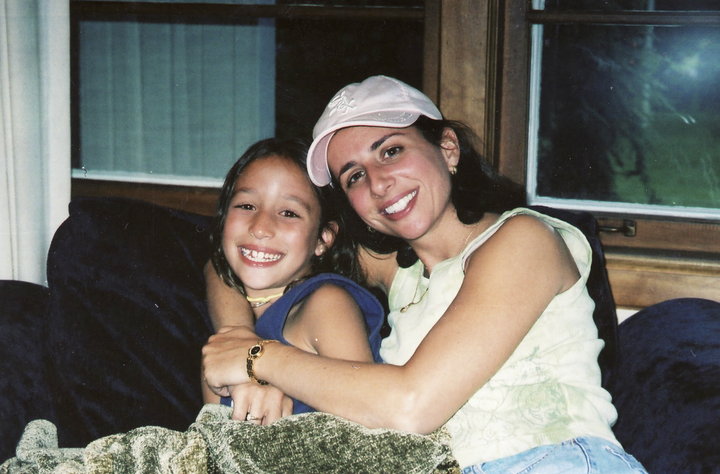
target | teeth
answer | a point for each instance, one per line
(260, 257)
(401, 204)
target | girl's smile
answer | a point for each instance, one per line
(261, 257)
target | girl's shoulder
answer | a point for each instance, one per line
(330, 291)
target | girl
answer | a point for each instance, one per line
(272, 238)
(492, 330)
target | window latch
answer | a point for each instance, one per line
(628, 228)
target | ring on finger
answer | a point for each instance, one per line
(250, 417)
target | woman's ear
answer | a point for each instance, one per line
(327, 237)
(450, 147)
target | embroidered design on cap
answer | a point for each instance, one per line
(340, 104)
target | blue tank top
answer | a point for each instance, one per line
(272, 322)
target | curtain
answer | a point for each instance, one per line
(34, 132)
(173, 99)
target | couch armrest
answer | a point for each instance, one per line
(667, 389)
(23, 390)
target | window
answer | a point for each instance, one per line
(174, 92)
(608, 106)
(623, 116)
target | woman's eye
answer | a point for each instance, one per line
(392, 151)
(354, 178)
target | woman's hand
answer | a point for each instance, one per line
(225, 358)
(259, 404)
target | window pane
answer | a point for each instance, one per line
(155, 100)
(628, 114)
(629, 5)
(315, 58)
(173, 99)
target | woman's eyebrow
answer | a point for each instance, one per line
(346, 167)
(377, 144)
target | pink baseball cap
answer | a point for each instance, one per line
(378, 101)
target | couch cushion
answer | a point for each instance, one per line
(127, 318)
(667, 389)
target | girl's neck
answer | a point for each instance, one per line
(261, 303)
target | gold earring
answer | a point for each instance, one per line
(453, 170)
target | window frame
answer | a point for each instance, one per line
(201, 199)
(667, 257)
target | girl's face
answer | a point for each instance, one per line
(396, 181)
(271, 232)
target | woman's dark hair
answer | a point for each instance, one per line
(477, 188)
(339, 258)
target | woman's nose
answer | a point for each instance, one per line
(380, 181)
(262, 227)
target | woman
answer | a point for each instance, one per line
(492, 330)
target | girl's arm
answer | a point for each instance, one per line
(329, 323)
(379, 269)
(509, 282)
(227, 307)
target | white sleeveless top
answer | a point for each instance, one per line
(547, 392)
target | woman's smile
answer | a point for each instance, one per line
(397, 181)
(401, 204)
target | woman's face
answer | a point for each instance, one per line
(396, 181)
(271, 231)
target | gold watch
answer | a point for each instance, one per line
(254, 353)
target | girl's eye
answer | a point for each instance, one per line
(353, 178)
(244, 207)
(288, 213)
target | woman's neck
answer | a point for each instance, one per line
(448, 239)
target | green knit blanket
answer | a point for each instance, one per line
(312, 443)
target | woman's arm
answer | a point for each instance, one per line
(509, 282)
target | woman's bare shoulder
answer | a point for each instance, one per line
(525, 243)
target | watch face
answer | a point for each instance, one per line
(255, 350)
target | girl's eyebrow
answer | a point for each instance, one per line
(377, 144)
(237, 191)
(290, 197)
(301, 202)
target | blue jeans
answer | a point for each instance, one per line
(577, 456)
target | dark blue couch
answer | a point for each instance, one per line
(114, 342)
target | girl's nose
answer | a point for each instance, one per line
(261, 227)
